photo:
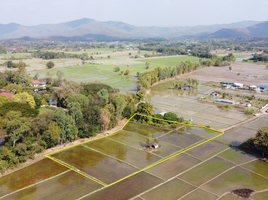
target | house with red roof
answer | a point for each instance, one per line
(41, 85)
(9, 95)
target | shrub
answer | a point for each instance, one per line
(50, 65)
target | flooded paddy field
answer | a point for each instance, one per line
(32, 174)
(123, 152)
(207, 150)
(173, 166)
(180, 139)
(237, 136)
(210, 168)
(204, 172)
(173, 189)
(70, 185)
(145, 130)
(261, 122)
(186, 104)
(127, 188)
(200, 194)
(236, 178)
(95, 164)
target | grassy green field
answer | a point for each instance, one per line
(44, 110)
(105, 72)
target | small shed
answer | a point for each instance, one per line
(240, 85)
(253, 87)
(155, 145)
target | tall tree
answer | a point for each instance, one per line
(16, 125)
(103, 95)
(261, 139)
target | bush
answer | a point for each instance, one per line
(127, 72)
(32, 155)
(116, 69)
(170, 116)
(22, 159)
(50, 65)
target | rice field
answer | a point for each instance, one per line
(208, 171)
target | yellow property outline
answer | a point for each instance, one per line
(48, 155)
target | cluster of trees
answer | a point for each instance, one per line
(10, 64)
(148, 78)
(179, 85)
(263, 57)
(58, 55)
(201, 53)
(218, 61)
(84, 110)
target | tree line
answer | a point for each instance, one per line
(149, 78)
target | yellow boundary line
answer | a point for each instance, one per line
(48, 155)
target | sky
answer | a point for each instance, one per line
(163, 13)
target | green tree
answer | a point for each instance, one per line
(24, 97)
(103, 95)
(80, 98)
(22, 67)
(66, 123)
(261, 139)
(145, 109)
(75, 111)
(50, 64)
(4, 99)
(9, 64)
(170, 116)
(17, 125)
(119, 104)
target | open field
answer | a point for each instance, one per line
(208, 170)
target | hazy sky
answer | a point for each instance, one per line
(136, 12)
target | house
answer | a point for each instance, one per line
(155, 145)
(239, 85)
(39, 84)
(9, 95)
(215, 94)
(225, 101)
(253, 87)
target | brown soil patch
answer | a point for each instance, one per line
(244, 193)
(250, 74)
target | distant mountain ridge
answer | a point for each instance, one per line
(260, 29)
(90, 28)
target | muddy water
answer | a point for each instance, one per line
(127, 188)
(173, 166)
(258, 166)
(207, 149)
(34, 173)
(70, 185)
(102, 167)
(145, 130)
(180, 139)
(133, 156)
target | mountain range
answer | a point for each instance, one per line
(91, 29)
